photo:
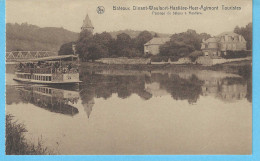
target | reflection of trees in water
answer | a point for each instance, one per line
(103, 86)
(183, 86)
(246, 73)
(179, 88)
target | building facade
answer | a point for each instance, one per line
(153, 46)
(227, 41)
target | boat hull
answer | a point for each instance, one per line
(30, 81)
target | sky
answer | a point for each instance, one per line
(69, 14)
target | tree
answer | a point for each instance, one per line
(131, 52)
(104, 41)
(92, 47)
(83, 43)
(175, 49)
(182, 44)
(95, 51)
(141, 39)
(190, 38)
(237, 30)
(66, 49)
(246, 32)
(195, 54)
(156, 35)
(123, 42)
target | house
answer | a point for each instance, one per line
(153, 46)
(227, 41)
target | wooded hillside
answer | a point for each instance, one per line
(31, 37)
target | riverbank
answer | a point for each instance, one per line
(228, 67)
(16, 143)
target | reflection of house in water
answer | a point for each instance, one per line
(231, 92)
(51, 99)
(225, 86)
(225, 89)
(155, 89)
(186, 85)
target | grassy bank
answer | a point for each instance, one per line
(16, 143)
(229, 67)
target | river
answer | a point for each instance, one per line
(138, 112)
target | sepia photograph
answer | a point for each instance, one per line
(128, 77)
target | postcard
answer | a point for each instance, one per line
(128, 77)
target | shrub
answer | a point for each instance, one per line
(236, 54)
(16, 144)
(194, 55)
(172, 58)
(159, 58)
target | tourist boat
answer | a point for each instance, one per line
(49, 70)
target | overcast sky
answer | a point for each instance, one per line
(69, 14)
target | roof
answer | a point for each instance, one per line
(158, 41)
(87, 23)
(51, 58)
(227, 33)
(212, 39)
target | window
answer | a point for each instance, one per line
(234, 46)
(229, 47)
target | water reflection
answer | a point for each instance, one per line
(49, 98)
(133, 112)
(188, 85)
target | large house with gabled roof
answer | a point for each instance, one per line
(226, 41)
(153, 46)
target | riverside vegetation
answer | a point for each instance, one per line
(16, 143)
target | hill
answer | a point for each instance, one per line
(134, 33)
(30, 37)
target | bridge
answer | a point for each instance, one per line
(14, 56)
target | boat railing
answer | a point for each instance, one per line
(48, 70)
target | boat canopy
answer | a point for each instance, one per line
(51, 58)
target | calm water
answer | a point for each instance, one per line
(131, 112)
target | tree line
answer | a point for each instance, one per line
(91, 46)
(102, 45)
